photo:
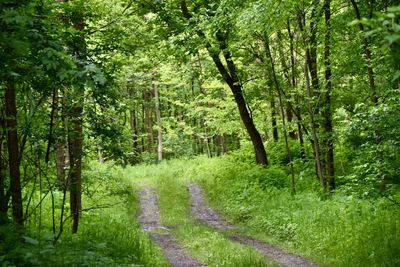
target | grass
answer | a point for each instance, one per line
(208, 246)
(106, 237)
(341, 230)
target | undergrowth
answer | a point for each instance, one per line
(337, 230)
(108, 235)
(341, 229)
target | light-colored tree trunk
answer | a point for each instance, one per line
(159, 126)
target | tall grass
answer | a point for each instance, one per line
(340, 230)
(107, 236)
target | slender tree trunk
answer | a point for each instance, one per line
(206, 139)
(135, 131)
(202, 121)
(159, 126)
(231, 78)
(13, 153)
(273, 119)
(367, 53)
(149, 121)
(289, 112)
(316, 148)
(60, 143)
(278, 88)
(328, 126)
(294, 85)
(225, 147)
(312, 54)
(310, 94)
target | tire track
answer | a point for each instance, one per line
(203, 213)
(150, 221)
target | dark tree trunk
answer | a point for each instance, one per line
(13, 153)
(310, 94)
(230, 76)
(273, 119)
(328, 127)
(75, 142)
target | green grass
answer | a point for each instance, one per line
(106, 237)
(340, 230)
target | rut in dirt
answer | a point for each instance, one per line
(205, 214)
(150, 221)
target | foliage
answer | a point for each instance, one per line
(341, 230)
(109, 233)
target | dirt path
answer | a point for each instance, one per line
(150, 220)
(202, 212)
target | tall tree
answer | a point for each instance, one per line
(327, 114)
(229, 73)
(13, 152)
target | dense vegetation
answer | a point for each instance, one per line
(286, 112)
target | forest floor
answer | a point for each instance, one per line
(150, 221)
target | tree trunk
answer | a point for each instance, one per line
(312, 54)
(294, 84)
(149, 121)
(289, 112)
(278, 88)
(135, 131)
(367, 53)
(310, 93)
(230, 76)
(159, 126)
(75, 142)
(13, 153)
(316, 148)
(328, 126)
(273, 119)
(202, 121)
(61, 144)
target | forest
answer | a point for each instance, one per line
(200, 133)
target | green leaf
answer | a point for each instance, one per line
(30, 240)
(396, 76)
(392, 38)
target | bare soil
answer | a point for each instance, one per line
(150, 221)
(204, 213)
